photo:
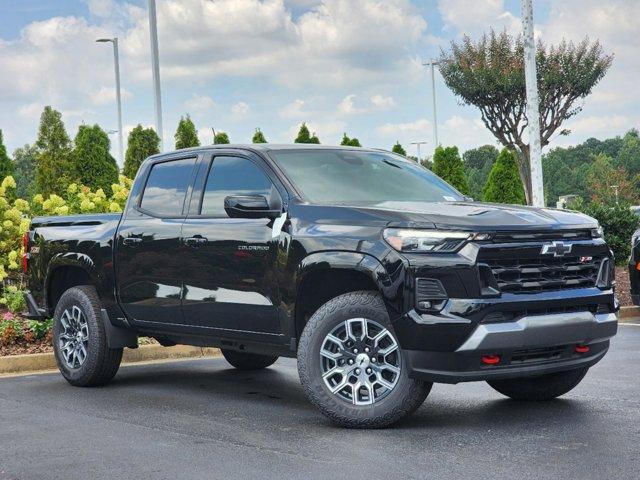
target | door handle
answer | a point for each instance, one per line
(195, 241)
(131, 241)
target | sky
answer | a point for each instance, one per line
(353, 66)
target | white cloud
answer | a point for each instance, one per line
(347, 105)
(107, 95)
(472, 17)
(101, 8)
(293, 109)
(240, 110)
(199, 103)
(383, 102)
(205, 135)
(420, 126)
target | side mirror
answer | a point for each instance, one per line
(250, 206)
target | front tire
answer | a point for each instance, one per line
(248, 361)
(80, 341)
(351, 366)
(545, 387)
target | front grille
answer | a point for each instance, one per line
(517, 275)
(510, 237)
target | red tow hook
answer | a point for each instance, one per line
(582, 348)
(490, 359)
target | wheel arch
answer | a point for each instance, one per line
(325, 275)
(67, 271)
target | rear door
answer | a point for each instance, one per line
(149, 250)
(231, 283)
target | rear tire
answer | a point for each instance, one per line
(80, 341)
(545, 387)
(248, 361)
(359, 380)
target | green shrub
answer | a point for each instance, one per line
(504, 184)
(10, 332)
(39, 329)
(15, 300)
(618, 223)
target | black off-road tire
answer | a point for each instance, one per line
(407, 395)
(248, 361)
(542, 388)
(101, 363)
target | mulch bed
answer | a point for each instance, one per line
(21, 348)
(622, 286)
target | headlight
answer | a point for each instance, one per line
(597, 232)
(634, 238)
(416, 241)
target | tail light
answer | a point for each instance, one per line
(25, 254)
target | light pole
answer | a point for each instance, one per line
(432, 64)
(116, 61)
(417, 144)
(155, 69)
(533, 107)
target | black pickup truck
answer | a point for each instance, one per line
(377, 275)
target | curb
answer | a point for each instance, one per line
(38, 362)
(629, 313)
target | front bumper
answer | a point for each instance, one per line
(529, 346)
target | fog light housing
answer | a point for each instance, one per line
(430, 295)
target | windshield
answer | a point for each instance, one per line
(361, 178)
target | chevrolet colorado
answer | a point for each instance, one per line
(377, 275)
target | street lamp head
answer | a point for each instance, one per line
(102, 40)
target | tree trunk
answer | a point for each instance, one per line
(525, 172)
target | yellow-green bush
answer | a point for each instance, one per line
(15, 215)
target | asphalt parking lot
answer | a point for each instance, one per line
(202, 419)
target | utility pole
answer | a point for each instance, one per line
(417, 144)
(116, 60)
(533, 107)
(155, 69)
(432, 64)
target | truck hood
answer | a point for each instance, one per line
(478, 216)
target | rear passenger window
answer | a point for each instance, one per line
(233, 176)
(167, 187)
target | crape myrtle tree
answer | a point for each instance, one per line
(489, 74)
(350, 142)
(186, 135)
(504, 184)
(304, 136)
(6, 166)
(258, 137)
(92, 163)
(399, 149)
(220, 138)
(142, 142)
(53, 172)
(447, 164)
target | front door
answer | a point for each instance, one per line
(149, 269)
(231, 262)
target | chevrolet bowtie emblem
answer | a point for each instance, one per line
(558, 249)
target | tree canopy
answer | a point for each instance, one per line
(92, 163)
(6, 166)
(304, 136)
(142, 143)
(489, 74)
(399, 149)
(220, 138)
(53, 172)
(504, 184)
(350, 142)
(478, 163)
(186, 134)
(258, 137)
(25, 164)
(447, 164)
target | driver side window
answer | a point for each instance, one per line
(233, 176)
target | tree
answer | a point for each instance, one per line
(350, 142)
(609, 185)
(478, 163)
(186, 134)
(141, 143)
(304, 136)
(629, 154)
(258, 137)
(490, 75)
(504, 184)
(397, 148)
(93, 165)
(220, 138)
(53, 172)
(6, 167)
(24, 164)
(448, 165)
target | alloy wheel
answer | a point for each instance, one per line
(73, 339)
